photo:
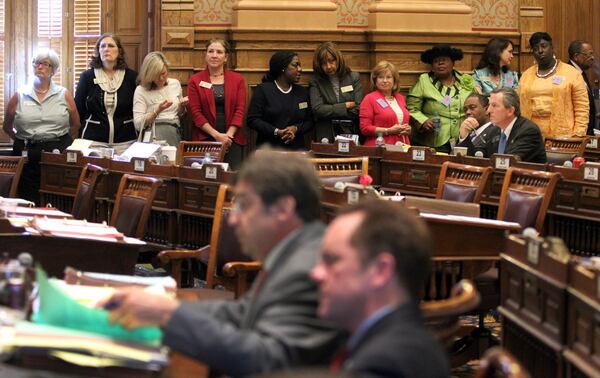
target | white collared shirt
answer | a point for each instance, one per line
(509, 128)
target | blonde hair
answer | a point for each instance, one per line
(152, 65)
(382, 67)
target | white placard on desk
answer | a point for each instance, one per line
(71, 157)
(343, 146)
(593, 143)
(211, 173)
(502, 162)
(418, 155)
(590, 173)
(353, 197)
(139, 165)
(533, 252)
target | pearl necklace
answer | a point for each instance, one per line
(40, 91)
(281, 90)
(552, 70)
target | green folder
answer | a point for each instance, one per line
(57, 308)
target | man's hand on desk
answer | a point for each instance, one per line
(135, 307)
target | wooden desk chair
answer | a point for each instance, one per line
(10, 174)
(332, 170)
(559, 150)
(83, 203)
(226, 264)
(133, 204)
(526, 195)
(462, 183)
(498, 363)
(190, 152)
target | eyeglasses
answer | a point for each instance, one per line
(43, 64)
(587, 54)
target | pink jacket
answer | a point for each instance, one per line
(373, 114)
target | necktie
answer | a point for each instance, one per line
(502, 144)
(473, 136)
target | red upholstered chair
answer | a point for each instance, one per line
(83, 203)
(462, 183)
(133, 204)
(526, 195)
(226, 264)
(190, 152)
(10, 174)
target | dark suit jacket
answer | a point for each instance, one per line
(590, 130)
(525, 140)
(89, 99)
(275, 328)
(326, 107)
(398, 346)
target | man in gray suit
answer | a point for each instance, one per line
(274, 326)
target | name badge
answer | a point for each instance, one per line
(446, 100)
(347, 88)
(557, 80)
(99, 81)
(206, 85)
(303, 105)
(382, 103)
(509, 81)
(30, 103)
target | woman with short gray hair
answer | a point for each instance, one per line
(157, 101)
(41, 116)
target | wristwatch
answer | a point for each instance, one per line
(275, 132)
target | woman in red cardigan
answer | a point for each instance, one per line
(384, 110)
(217, 101)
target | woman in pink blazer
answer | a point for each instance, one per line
(384, 110)
(217, 101)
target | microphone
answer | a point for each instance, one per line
(479, 154)
(530, 232)
(568, 164)
(56, 151)
(325, 140)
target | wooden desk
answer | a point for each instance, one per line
(582, 354)
(533, 279)
(54, 252)
(349, 149)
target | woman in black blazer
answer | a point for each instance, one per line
(104, 97)
(335, 93)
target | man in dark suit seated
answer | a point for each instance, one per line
(515, 135)
(374, 261)
(581, 56)
(477, 126)
(275, 325)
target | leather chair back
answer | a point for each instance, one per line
(190, 152)
(332, 170)
(83, 203)
(462, 183)
(526, 195)
(11, 168)
(133, 204)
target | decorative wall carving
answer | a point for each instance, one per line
(501, 15)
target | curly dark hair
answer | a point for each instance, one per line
(96, 61)
(491, 55)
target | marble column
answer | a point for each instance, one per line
(285, 14)
(420, 15)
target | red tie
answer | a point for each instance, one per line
(338, 360)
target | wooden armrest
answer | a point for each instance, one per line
(233, 268)
(169, 255)
(464, 298)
